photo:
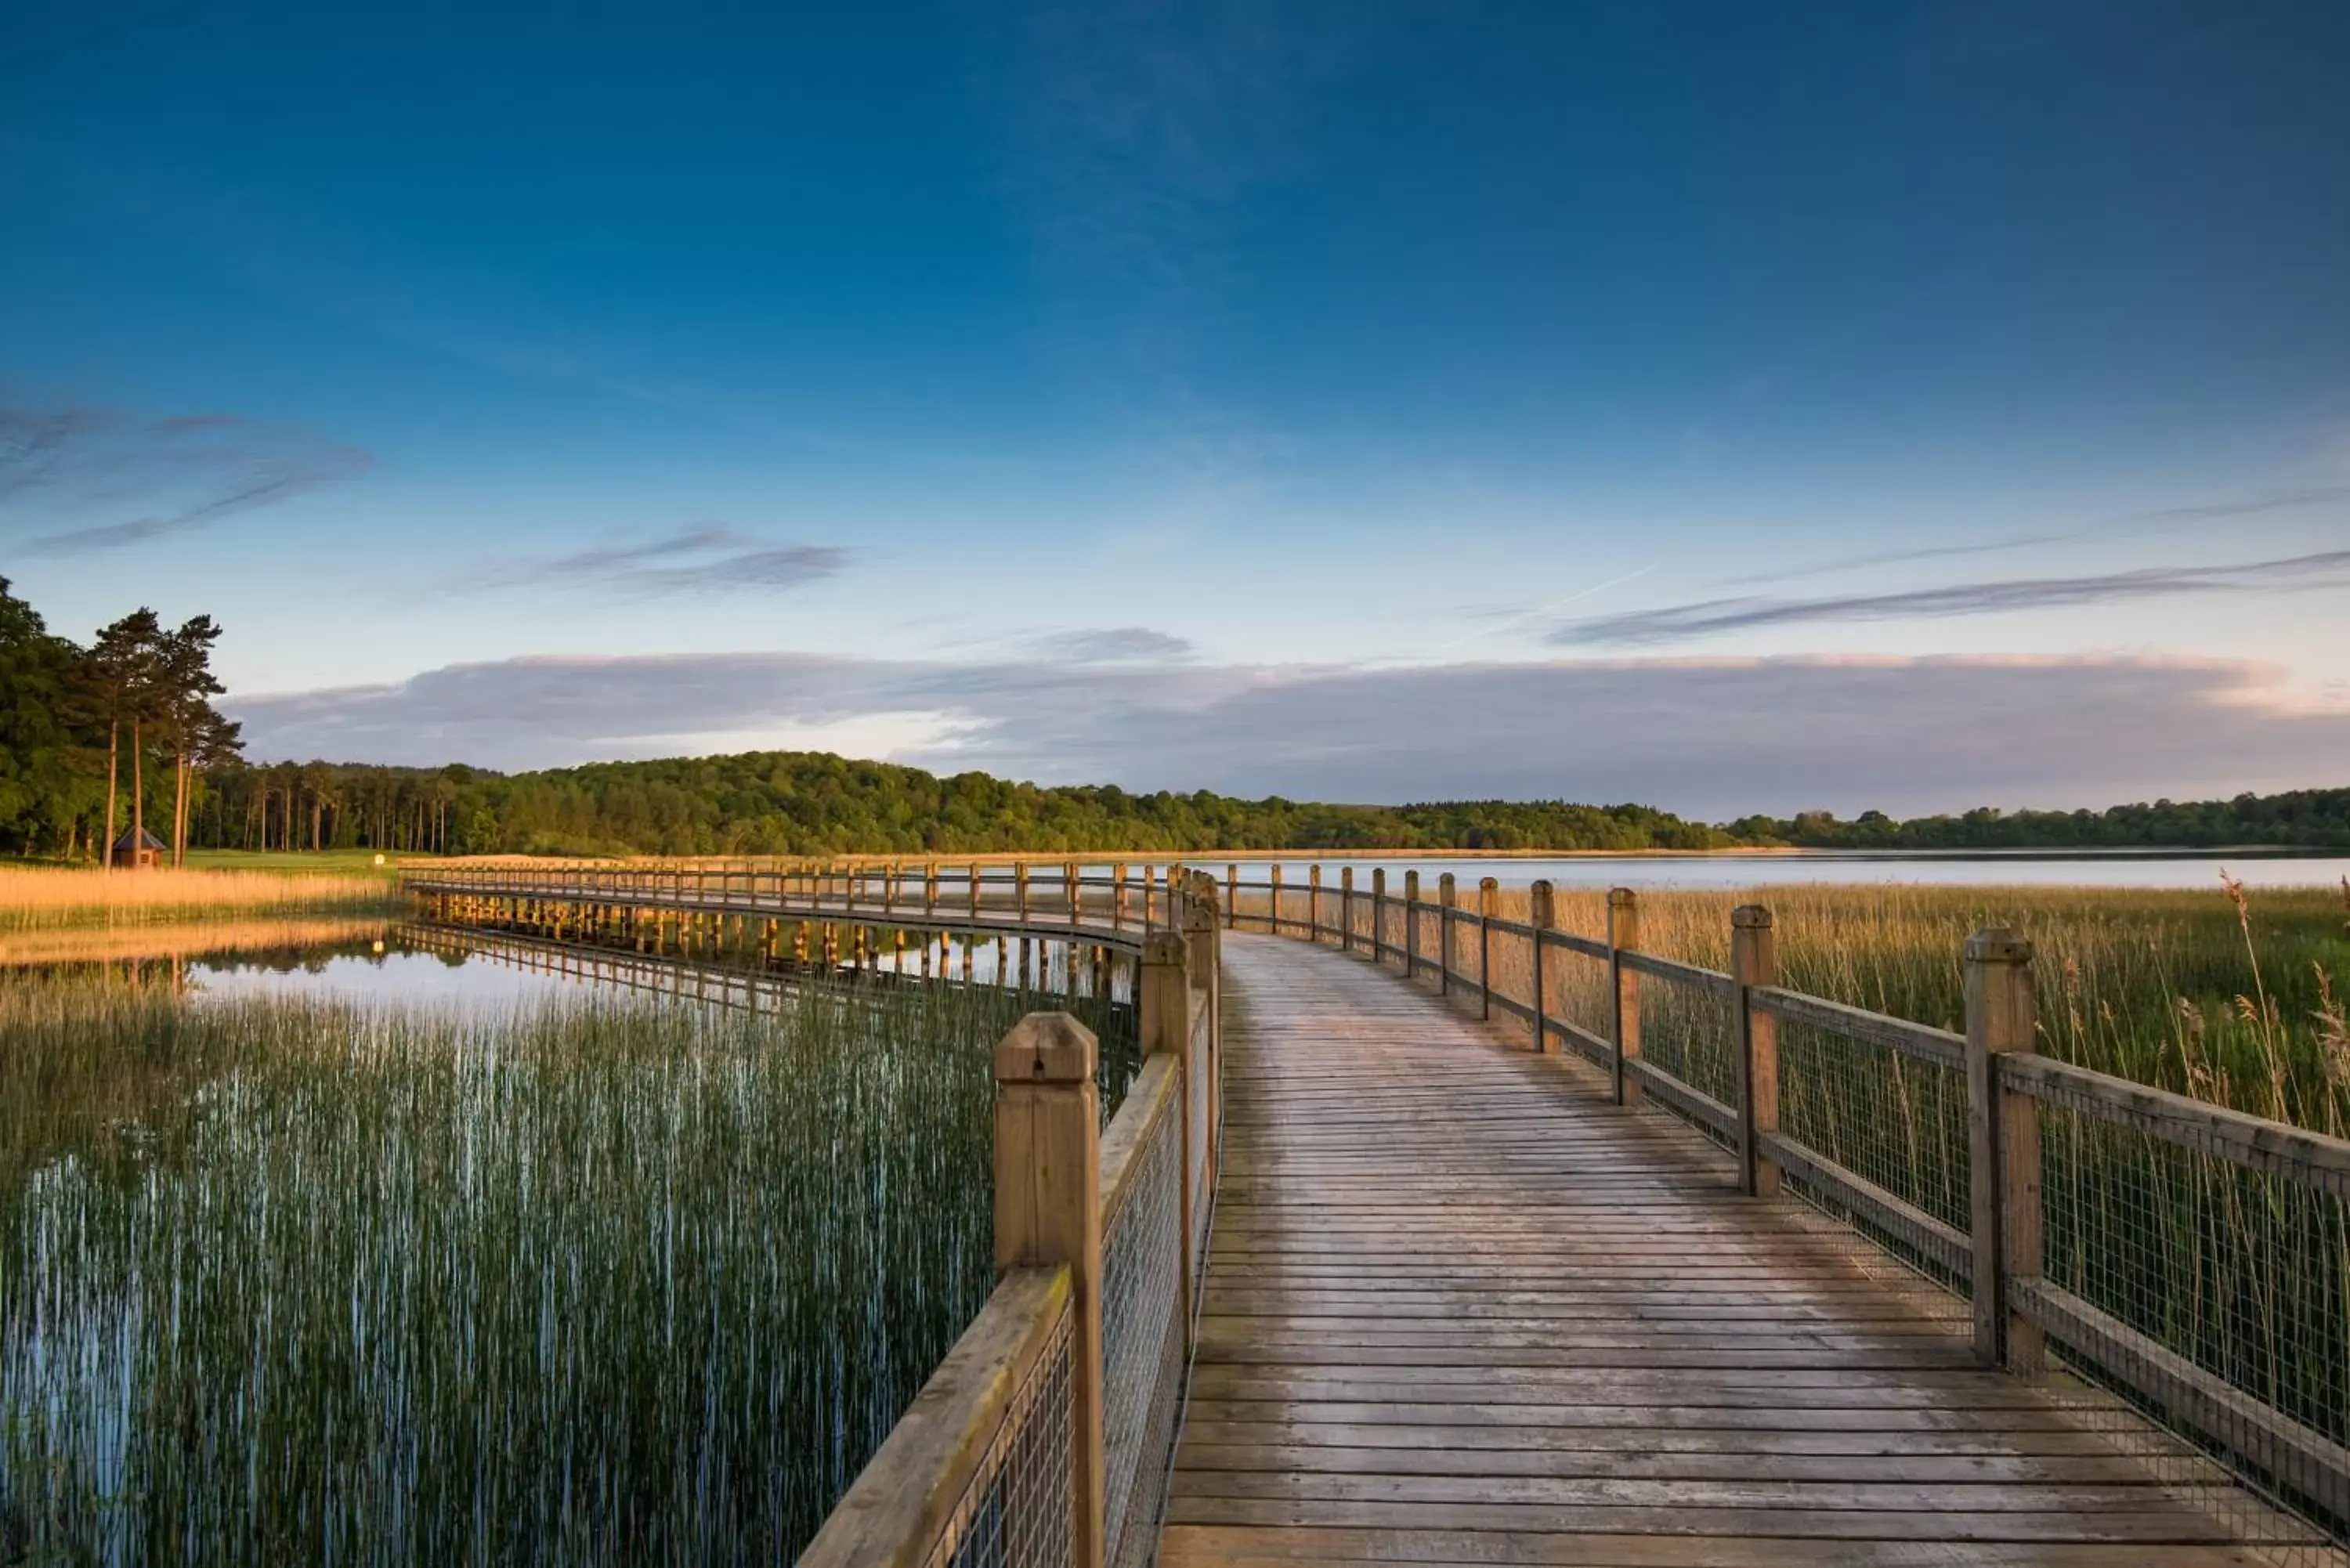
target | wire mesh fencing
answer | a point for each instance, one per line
(1894, 1120)
(1688, 1032)
(2182, 1282)
(1142, 1339)
(1018, 1511)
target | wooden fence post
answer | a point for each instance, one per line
(1232, 898)
(1159, 1016)
(1412, 925)
(974, 889)
(1447, 892)
(1489, 910)
(1345, 909)
(1379, 914)
(2004, 1148)
(1070, 879)
(1048, 1210)
(1541, 913)
(1276, 897)
(1020, 888)
(1118, 895)
(1314, 902)
(1624, 983)
(929, 889)
(1753, 961)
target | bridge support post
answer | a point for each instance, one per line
(1624, 983)
(1206, 964)
(1542, 914)
(1489, 910)
(1048, 1211)
(1753, 961)
(1448, 895)
(1163, 1021)
(2004, 1148)
(1412, 925)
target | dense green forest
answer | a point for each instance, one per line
(134, 708)
(112, 740)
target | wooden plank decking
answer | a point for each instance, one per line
(1462, 1309)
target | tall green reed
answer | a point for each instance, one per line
(599, 1280)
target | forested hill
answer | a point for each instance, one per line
(807, 803)
(2308, 818)
(812, 802)
(96, 740)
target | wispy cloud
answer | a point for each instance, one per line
(1113, 645)
(1705, 617)
(1714, 737)
(705, 559)
(2206, 511)
(68, 475)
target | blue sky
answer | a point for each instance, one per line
(1733, 407)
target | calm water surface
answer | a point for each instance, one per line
(2254, 868)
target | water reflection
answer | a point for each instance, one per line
(2254, 868)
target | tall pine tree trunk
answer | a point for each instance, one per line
(113, 771)
(179, 805)
(138, 794)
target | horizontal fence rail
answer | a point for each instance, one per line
(1112, 905)
(2191, 1260)
(1046, 1438)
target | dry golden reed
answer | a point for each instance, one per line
(53, 896)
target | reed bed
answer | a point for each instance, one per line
(2233, 997)
(37, 899)
(175, 941)
(604, 1280)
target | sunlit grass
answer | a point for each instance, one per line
(33, 897)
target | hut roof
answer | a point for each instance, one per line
(146, 840)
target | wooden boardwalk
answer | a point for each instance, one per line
(1462, 1309)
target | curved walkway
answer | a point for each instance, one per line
(1460, 1308)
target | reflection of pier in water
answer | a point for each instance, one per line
(728, 977)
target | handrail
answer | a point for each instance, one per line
(1055, 1416)
(1995, 1255)
(2253, 1142)
(1117, 912)
(1988, 1241)
(928, 1481)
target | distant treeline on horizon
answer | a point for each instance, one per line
(814, 803)
(123, 732)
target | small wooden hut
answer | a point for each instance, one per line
(138, 848)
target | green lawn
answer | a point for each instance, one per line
(348, 860)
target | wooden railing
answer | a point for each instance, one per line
(1045, 1435)
(2192, 1259)
(1113, 903)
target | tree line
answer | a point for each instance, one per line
(813, 803)
(88, 734)
(75, 719)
